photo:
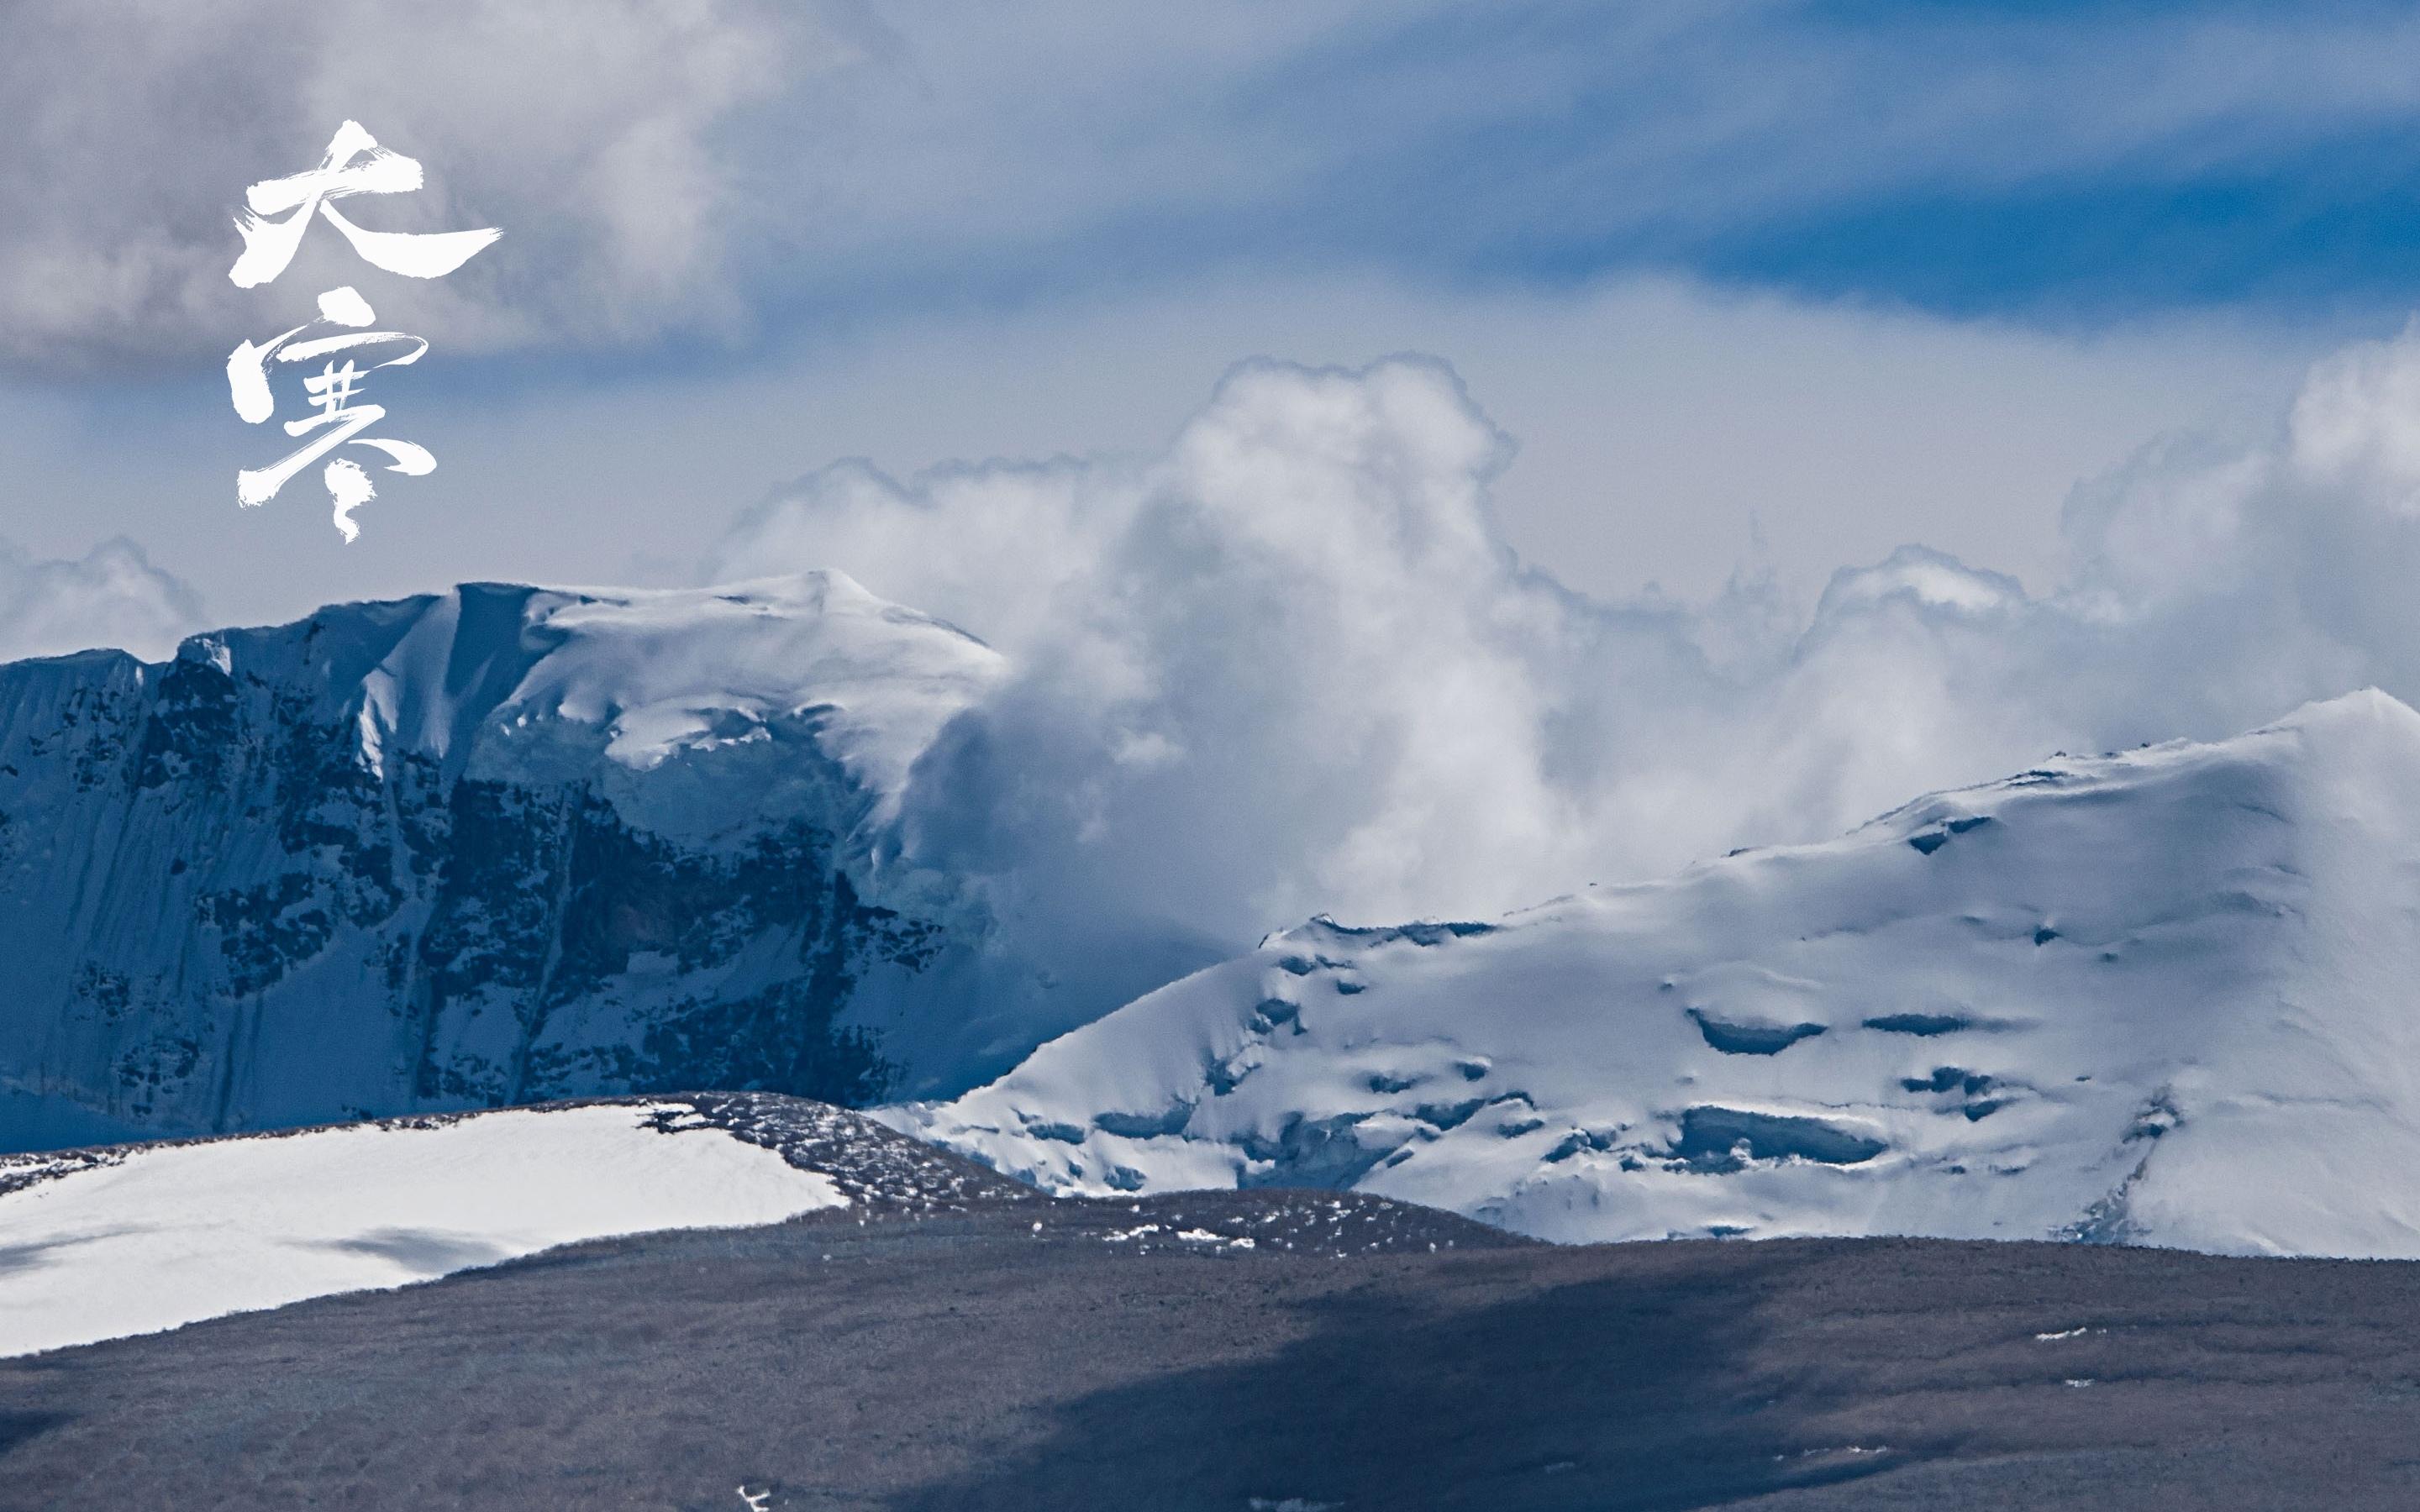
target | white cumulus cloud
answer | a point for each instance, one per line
(1289, 665)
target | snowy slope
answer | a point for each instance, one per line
(111, 1244)
(658, 673)
(2169, 996)
(496, 844)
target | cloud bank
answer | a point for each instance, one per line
(586, 128)
(1289, 665)
(671, 173)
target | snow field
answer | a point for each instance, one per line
(169, 1235)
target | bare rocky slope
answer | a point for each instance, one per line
(1084, 1355)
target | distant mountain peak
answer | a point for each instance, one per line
(659, 669)
(479, 846)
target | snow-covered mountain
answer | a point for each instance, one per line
(2169, 996)
(491, 845)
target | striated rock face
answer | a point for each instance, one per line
(488, 846)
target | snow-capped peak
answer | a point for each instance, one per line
(652, 672)
(494, 845)
(2161, 996)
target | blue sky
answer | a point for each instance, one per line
(2063, 164)
(1749, 282)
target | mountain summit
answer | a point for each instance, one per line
(2164, 996)
(484, 846)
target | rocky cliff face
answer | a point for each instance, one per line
(488, 846)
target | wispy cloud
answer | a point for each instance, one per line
(1556, 142)
(111, 596)
(737, 170)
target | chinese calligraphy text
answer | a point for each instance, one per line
(354, 164)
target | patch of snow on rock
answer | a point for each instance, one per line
(166, 1235)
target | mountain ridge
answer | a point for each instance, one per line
(2152, 996)
(467, 848)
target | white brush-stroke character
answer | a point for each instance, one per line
(339, 420)
(355, 164)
